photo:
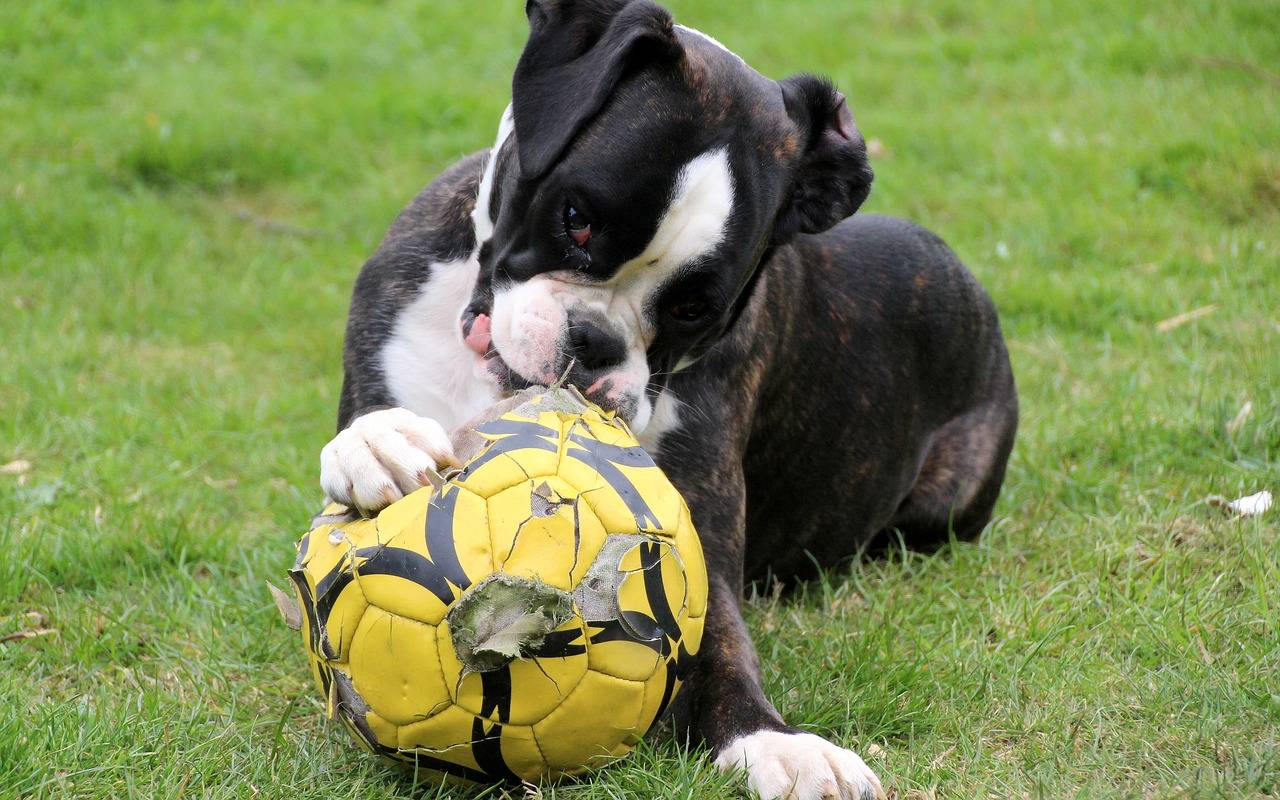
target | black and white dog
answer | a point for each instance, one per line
(673, 229)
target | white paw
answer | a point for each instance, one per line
(383, 456)
(799, 766)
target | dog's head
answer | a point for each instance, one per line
(639, 177)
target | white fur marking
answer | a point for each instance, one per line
(712, 40)
(684, 363)
(663, 417)
(695, 222)
(428, 368)
(799, 766)
(480, 218)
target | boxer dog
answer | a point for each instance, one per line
(674, 232)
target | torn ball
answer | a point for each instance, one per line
(530, 618)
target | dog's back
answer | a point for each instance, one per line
(888, 402)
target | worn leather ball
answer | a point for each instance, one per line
(529, 617)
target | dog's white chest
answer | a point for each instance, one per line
(425, 363)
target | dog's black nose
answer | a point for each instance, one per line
(594, 348)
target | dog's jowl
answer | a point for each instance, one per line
(676, 233)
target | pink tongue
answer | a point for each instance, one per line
(479, 339)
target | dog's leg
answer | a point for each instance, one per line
(746, 732)
(729, 707)
(382, 456)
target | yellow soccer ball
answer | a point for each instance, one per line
(530, 618)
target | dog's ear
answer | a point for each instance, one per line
(576, 54)
(833, 175)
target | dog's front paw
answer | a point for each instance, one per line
(799, 766)
(383, 456)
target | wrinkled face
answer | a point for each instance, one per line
(625, 260)
(637, 181)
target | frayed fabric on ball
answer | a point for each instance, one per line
(530, 618)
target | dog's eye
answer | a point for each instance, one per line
(577, 226)
(689, 310)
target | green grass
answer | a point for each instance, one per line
(187, 190)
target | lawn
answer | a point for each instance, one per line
(187, 190)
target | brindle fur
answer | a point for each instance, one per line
(871, 367)
(865, 389)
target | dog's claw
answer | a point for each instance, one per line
(383, 456)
